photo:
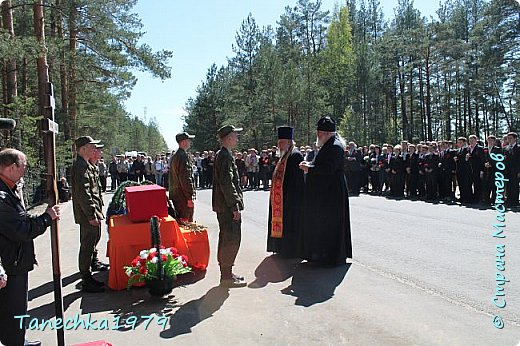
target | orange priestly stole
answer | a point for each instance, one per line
(276, 196)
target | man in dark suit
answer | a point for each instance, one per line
(463, 170)
(352, 166)
(512, 171)
(431, 169)
(412, 169)
(446, 172)
(17, 231)
(182, 187)
(488, 190)
(227, 202)
(476, 160)
(327, 237)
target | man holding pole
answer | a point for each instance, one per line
(17, 231)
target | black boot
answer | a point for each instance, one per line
(91, 285)
(228, 279)
(96, 265)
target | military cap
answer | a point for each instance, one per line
(182, 136)
(81, 141)
(226, 130)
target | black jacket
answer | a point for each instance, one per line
(17, 231)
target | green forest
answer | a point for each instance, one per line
(383, 79)
(88, 50)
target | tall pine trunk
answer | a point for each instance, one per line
(428, 95)
(73, 41)
(64, 89)
(10, 64)
(404, 119)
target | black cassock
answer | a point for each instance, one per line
(326, 210)
(290, 245)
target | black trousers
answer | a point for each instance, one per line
(103, 181)
(228, 242)
(13, 302)
(512, 189)
(476, 182)
(123, 177)
(431, 185)
(114, 181)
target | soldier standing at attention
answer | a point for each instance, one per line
(87, 206)
(227, 202)
(182, 187)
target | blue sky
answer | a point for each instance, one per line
(201, 33)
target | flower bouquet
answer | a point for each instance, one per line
(191, 226)
(158, 268)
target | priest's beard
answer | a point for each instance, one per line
(282, 151)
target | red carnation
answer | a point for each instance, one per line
(184, 258)
(164, 258)
(134, 262)
(152, 255)
(143, 270)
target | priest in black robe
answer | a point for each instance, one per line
(286, 199)
(327, 237)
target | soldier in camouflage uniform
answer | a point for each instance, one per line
(227, 202)
(182, 186)
(87, 205)
(96, 264)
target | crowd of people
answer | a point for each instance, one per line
(435, 171)
(463, 171)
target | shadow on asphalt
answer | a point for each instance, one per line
(196, 311)
(49, 286)
(128, 306)
(311, 283)
(273, 269)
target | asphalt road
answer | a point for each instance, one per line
(422, 274)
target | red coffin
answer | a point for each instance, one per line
(145, 201)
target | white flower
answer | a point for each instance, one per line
(154, 260)
(143, 254)
(153, 250)
(128, 272)
(164, 251)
